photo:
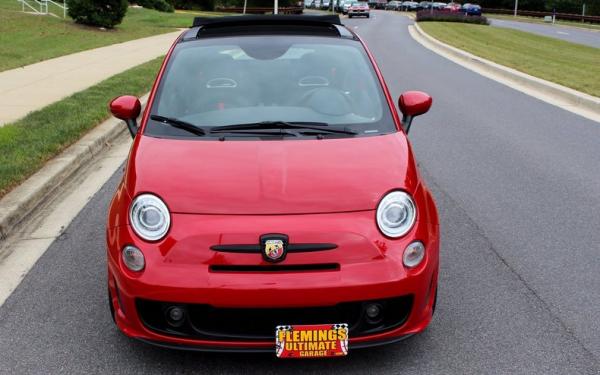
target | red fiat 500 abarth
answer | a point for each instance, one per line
(271, 198)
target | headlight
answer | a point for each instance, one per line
(149, 217)
(396, 214)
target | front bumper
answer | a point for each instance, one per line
(181, 269)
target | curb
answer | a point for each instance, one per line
(567, 98)
(25, 198)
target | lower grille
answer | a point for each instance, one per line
(276, 268)
(212, 323)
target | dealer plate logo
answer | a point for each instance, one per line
(311, 341)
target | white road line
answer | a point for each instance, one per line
(562, 32)
(27, 248)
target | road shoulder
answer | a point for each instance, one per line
(571, 100)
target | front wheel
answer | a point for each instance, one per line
(434, 301)
(367, 16)
(112, 308)
(349, 16)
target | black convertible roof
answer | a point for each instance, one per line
(318, 25)
(274, 19)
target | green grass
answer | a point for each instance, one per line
(28, 143)
(27, 38)
(586, 25)
(565, 63)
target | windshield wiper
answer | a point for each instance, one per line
(259, 132)
(179, 124)
(317, 127)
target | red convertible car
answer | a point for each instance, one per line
(271, 200)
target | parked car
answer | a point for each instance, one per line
(409, 6)
(453, 7)
(424, 5)
(308, 3)
(471, 9)
(393, 5)
(439, 6)
(358, 9)
(346, 5)
(238, 224)
(377, 4)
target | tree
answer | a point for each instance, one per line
(102, 13)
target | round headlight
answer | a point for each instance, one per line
(396, 214)
(133, 258)
(149, 217)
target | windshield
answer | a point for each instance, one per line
(227, 81)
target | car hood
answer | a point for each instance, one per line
(271, 177)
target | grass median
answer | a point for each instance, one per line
(27, 38)
(584, 25)
(28, 143)
(572, 65)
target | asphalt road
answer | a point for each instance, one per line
(587, 37)
(517, 183)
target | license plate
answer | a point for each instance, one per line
(311, 341)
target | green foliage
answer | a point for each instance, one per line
(102, 13)
(425, 16)
(212, 4)
(193, 4)
(160, 5)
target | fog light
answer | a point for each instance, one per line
(175, 315)
(133, 258)
(414, 254)
(374, 312)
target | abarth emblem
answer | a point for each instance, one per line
(274, 247)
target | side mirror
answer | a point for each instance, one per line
(413, 103)
(127, 108)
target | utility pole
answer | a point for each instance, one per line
(245, 2)
(516, 6)
(276, 7)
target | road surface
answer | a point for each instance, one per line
(517, 183)
(577, 35)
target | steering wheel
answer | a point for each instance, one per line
(327, 100)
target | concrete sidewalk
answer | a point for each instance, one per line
(32, 87)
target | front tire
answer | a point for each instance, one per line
(434, 301)
(111, 307)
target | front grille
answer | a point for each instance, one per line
(212, 323)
